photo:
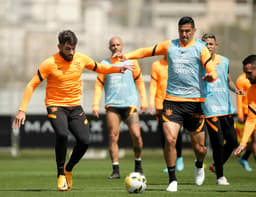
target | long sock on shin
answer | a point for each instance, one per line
(77, 154)
(171, 172)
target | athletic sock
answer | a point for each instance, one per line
(199, 164)
(171, 172)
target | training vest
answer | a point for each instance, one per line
(218, 102)
(185, 70)
(120, 88)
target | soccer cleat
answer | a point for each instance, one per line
(62, 183)
(114, 175)
(212, 168)
(199, 176)
(245, 164)
(172, 187)
(222, 181)
(179, 164)
(165, 170)
(68, 176)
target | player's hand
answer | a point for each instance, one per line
(208, 77)
(151, 110)
(143, 110)
(119, 55)
(19, 120)
(96, 113)
(238, 150)
(126, 67)
(240, 120)
(240, 92)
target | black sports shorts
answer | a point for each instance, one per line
(124, 112)
(188, 114)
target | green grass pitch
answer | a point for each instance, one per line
(33, 174)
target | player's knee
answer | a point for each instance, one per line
(170, 141)
(200, 148)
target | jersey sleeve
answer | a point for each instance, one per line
(90, 64)
(98, 89)
(239, 100)
(42, 73)
(251, 118)
(159, 49)
(137, 75)
(208, 63)
(153, 85)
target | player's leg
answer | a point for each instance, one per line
(172, 118)
(179, 160)
(79, 127)
(59, 121)
(229, 133)
(113, 123)
(171, 130)
(133, 124)
(217, 142)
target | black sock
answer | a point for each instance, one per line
(171, 172)
(115, 168)
(246, 154)
(199, 164)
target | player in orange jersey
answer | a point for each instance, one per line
(121, 101)
(249, 67)
(157, 89)
(63, 95)
(242, 110)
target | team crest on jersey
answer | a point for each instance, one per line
(168, 112)
(85, 121)
(77, 65)
(54, 109)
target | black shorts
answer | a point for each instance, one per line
(187, 114)
(124, 112)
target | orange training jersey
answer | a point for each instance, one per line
(158, 83)
(251, 118)
(63, 79)
(162, 49)
(242, 83)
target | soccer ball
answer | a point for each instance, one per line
(135, 182)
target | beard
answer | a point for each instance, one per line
(67, 58)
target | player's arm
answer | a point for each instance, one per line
(249, 124)
(137, 75)
(211, 74)
(20, 117)
(239, 102)
(159, 49)
(152, 88)
(98, 89)
(102, 68)
(233, 87)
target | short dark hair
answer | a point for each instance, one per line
(251, 59)
(67, 36)
(206, 36)
(187, 20)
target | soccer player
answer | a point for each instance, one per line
(189, 69)
(121, 101)
(63, 94)
(218, 112)
(249, 68)
(157, 89)
(242, 110)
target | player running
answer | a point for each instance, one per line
(218, 112)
